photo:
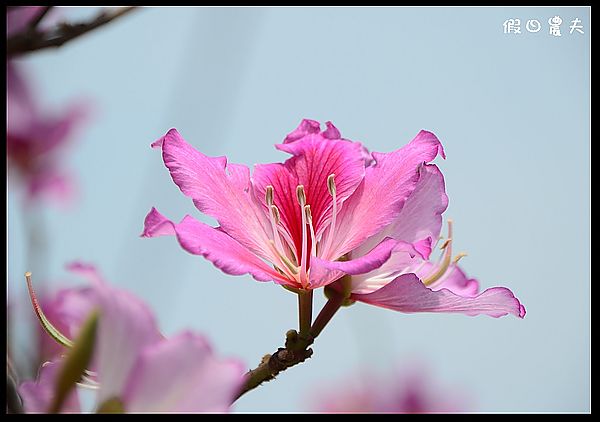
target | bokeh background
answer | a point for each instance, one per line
(513, 113)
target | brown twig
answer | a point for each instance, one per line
(295, 352)
(32, 39)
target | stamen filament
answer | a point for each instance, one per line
(332, 191)
(447, 247)
(302, 200)
(313, 243)
(458, 257)
(56, 335)
(284, 260)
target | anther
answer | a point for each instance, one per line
(331, 184)
(301, 195)
(308, 214)
(458, 257)
(445, 244)
(275, 213)
(269, 195)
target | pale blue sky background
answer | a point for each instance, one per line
(513, 113)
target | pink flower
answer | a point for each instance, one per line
(134, 363)
(17, 18)
(36, 140)
(329, 211)
(408, 390)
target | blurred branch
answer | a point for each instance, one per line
(32, 39)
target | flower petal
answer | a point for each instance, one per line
(315, 157)
(404, 257)
(182, 375)
(454, 279)
(218, 189)
(126, 327)
(38, 395)
(323, 272)
(215, 245)
(421, 215)
(408, 294)
(382, 194)
(306, 127)
(67, 310)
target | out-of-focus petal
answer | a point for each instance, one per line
(126, 327)
(182, 374)
(38, 395)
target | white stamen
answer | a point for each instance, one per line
(447, 256)
(302, 200)
(313, 243)
(332, 191)
(458, 257)
(284, 263)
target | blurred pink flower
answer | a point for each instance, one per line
(331, 210)
(402, 390)
(134, 363)
(18, 17)
(67, 309)
(36, 140)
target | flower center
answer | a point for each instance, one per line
(296, 266)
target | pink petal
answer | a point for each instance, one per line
(17, 19)
(323, 272)
(38, 395)
(215, 245)
(182, 375)
(218, 189)
(67, 310)
(404, 257)
(306, 127)
(408, 294)
(51, 184)
(382, 194)
(314, 159)
(87, 271)
(126, 327)
(421, 215)
(454, 279)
